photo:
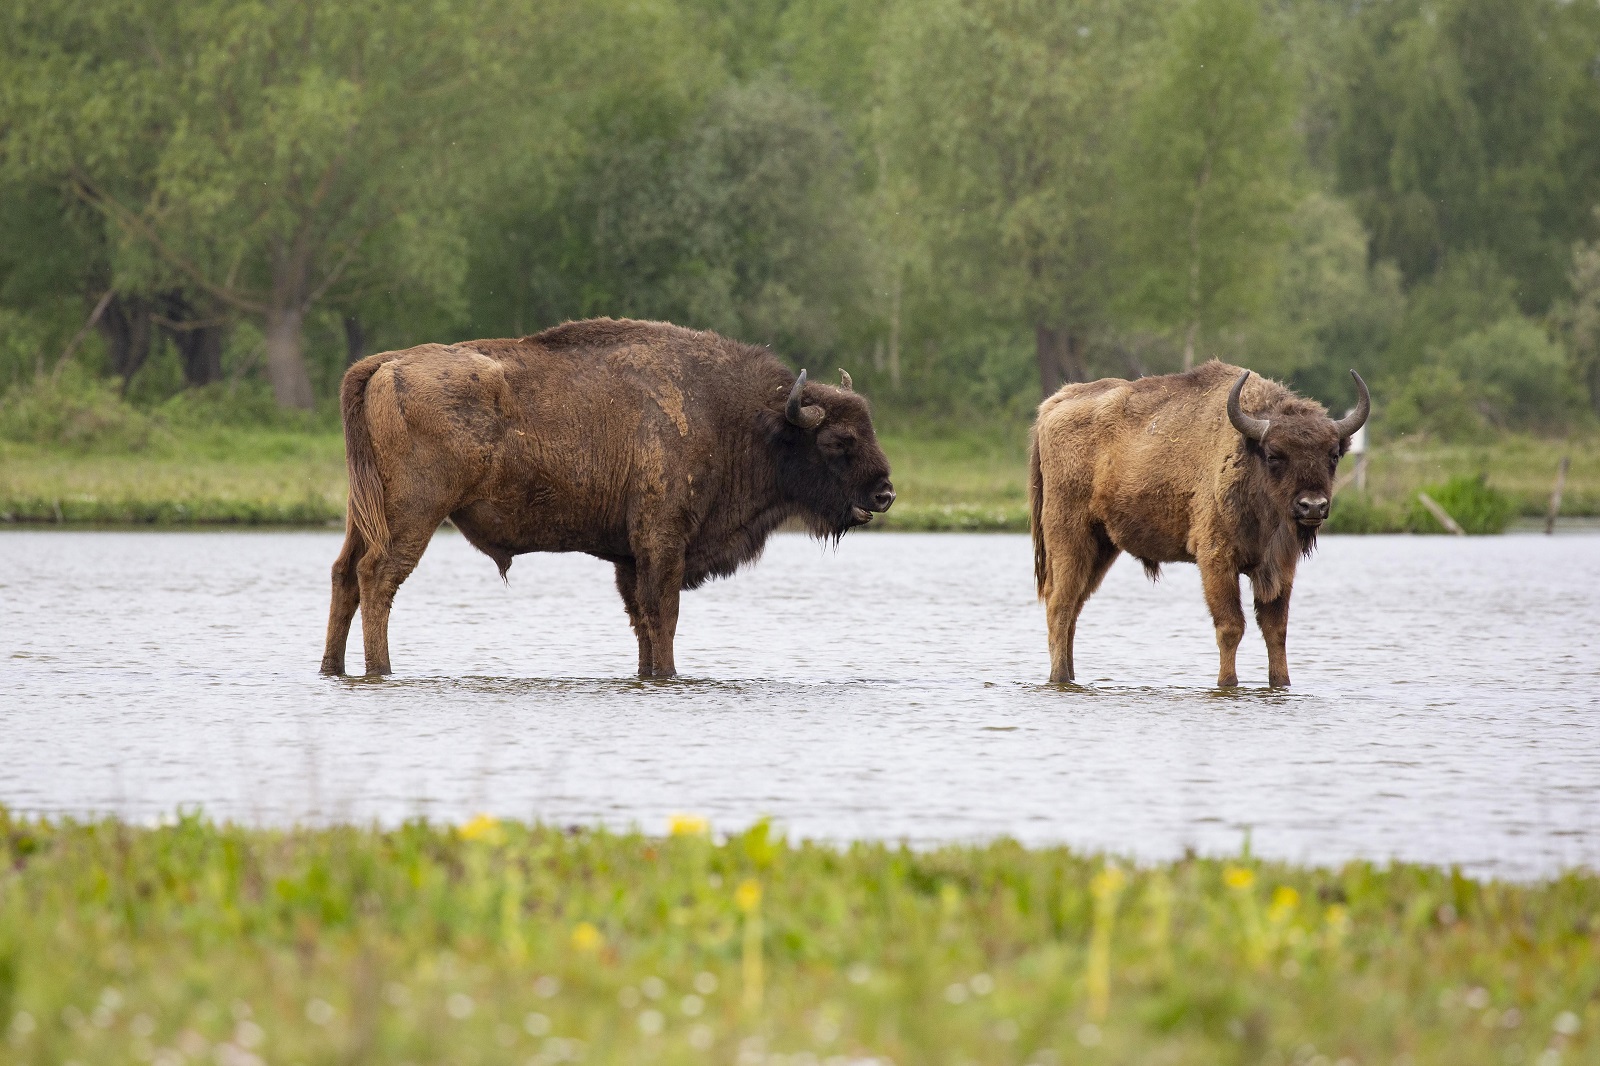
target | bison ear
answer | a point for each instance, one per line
(807, 417)
(844, 380)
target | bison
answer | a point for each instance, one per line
(668, 452)
(1173, 469)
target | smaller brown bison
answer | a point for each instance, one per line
(1207, 467)
(668, 452)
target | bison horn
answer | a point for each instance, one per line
(844, 380)
(1254, 428)
(809, 417)
(1353, 421)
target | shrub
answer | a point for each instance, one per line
(1509, 375)
(1475, 506)
(73, 410)
(1357, 512)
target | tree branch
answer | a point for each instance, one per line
(77, 338)
(121, 216)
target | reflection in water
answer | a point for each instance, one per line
(1446, 705)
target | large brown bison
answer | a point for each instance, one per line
(1207, 467)
(668, 452)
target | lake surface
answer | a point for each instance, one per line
(1446, 700)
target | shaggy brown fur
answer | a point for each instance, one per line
(1154, 468)
(668, 452)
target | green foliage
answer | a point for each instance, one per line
(498, 941)
(956, 199)
(1328, 311)
(1507, 376)
(75, 412)
(1452, 134)
(1207, 179)
(1471, 501)
(1358, 512)
(1579, 318)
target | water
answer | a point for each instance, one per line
(1446, 705)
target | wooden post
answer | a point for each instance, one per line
(1441, 514)
(1555, 495)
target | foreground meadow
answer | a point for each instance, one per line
(500, 942)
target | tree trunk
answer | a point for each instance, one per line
(355, 340)
(1060, 355)
(125, 325)
(201, 353)
(286, 363)
(198, 340)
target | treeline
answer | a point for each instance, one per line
(961, 201)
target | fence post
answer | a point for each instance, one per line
(1358, 448)
(1441, 514)
(1555, 495)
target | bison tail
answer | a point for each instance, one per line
(366, 486)
(1041, 557)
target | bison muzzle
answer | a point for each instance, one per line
(1211, 466)
(668, 452)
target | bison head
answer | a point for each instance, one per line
(829, 457)
(1299, 447)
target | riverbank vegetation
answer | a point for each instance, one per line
(962, 202)
(497, 942)
(74, 452)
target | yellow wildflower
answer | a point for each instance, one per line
(1238, 877)
(688, 825)
(1284, 901)
(585, 937)
(482, 827)
(748, 895)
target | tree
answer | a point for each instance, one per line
(260, 157)
(1207, 172)
(1001, 116)
(1471, 126)
(1579, 318)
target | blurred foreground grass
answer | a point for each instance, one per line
(955, 478)
(500, 943)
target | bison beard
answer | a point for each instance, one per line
(672, 454)
(1173, 469)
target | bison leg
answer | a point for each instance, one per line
(1078, 562)
(628, 585)
(1273, 617)
(1221, 583)
(660, 579)
(380, 575)
(346, 597)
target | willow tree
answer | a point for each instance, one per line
(273, 157)
(1002, 116)
(1206, 188)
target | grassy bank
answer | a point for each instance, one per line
(241, 477)
(500, 943)
(947, 479)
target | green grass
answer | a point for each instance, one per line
(501, 943)
(245, 477)
(954, 478)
